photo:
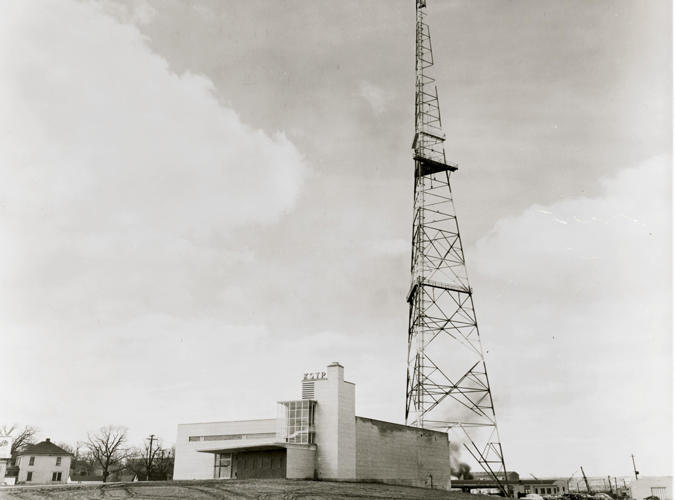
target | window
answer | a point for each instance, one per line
(222, 466)
(31, 461)
(548, 491)
(58, 460)
(29, 477)
(296, 420)
(56, 476)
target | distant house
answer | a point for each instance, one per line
(542, 486)
(512, 476)
(43, 463)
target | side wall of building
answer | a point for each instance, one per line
(398, 454)
(192, 463)
(43, 469)
(300, 462)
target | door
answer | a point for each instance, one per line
(223, 466)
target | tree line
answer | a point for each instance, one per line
(105, 454)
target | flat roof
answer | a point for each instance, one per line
(230, 421)
(385, 424)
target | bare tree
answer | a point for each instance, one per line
(163, 468)
(20, 438)
(67, 447)
(152, 462)
(107, 447)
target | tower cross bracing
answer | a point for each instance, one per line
(447, 382)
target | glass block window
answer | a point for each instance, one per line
(296, 421)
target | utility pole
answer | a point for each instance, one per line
(637, 473)
(609, 480)
(588, 488)
(149, 465)
(569, 482)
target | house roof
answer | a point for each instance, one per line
(46, 447)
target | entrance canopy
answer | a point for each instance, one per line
(239, 448)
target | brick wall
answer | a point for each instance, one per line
(398, 454)
(300, 462)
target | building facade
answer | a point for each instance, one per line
(43, 463)
(316, 437)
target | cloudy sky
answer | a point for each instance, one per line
(200, 201)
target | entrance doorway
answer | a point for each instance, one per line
(222, 468)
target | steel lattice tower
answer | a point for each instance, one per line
(447, 382)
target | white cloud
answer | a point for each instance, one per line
(389, 247)
(120, 179)
(140, 12)
(377, 97)
(577, 320)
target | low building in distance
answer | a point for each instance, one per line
(43, 463)
(316, 437)
(660, 487)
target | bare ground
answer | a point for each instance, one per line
(245, 489)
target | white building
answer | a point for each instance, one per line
(43, 463)
(316, 437)
(655, 486)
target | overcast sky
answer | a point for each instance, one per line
(201, 201)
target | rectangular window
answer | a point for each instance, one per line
(229, 437)
(222, 466)
(29, 476)
(58, 460)
(222, 437)
(31, 461)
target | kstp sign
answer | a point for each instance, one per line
(315, 376)
(5, 447)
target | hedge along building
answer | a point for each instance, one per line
(316, 437)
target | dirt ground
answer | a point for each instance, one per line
(249, 489)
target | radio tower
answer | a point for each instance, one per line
(447, 382)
